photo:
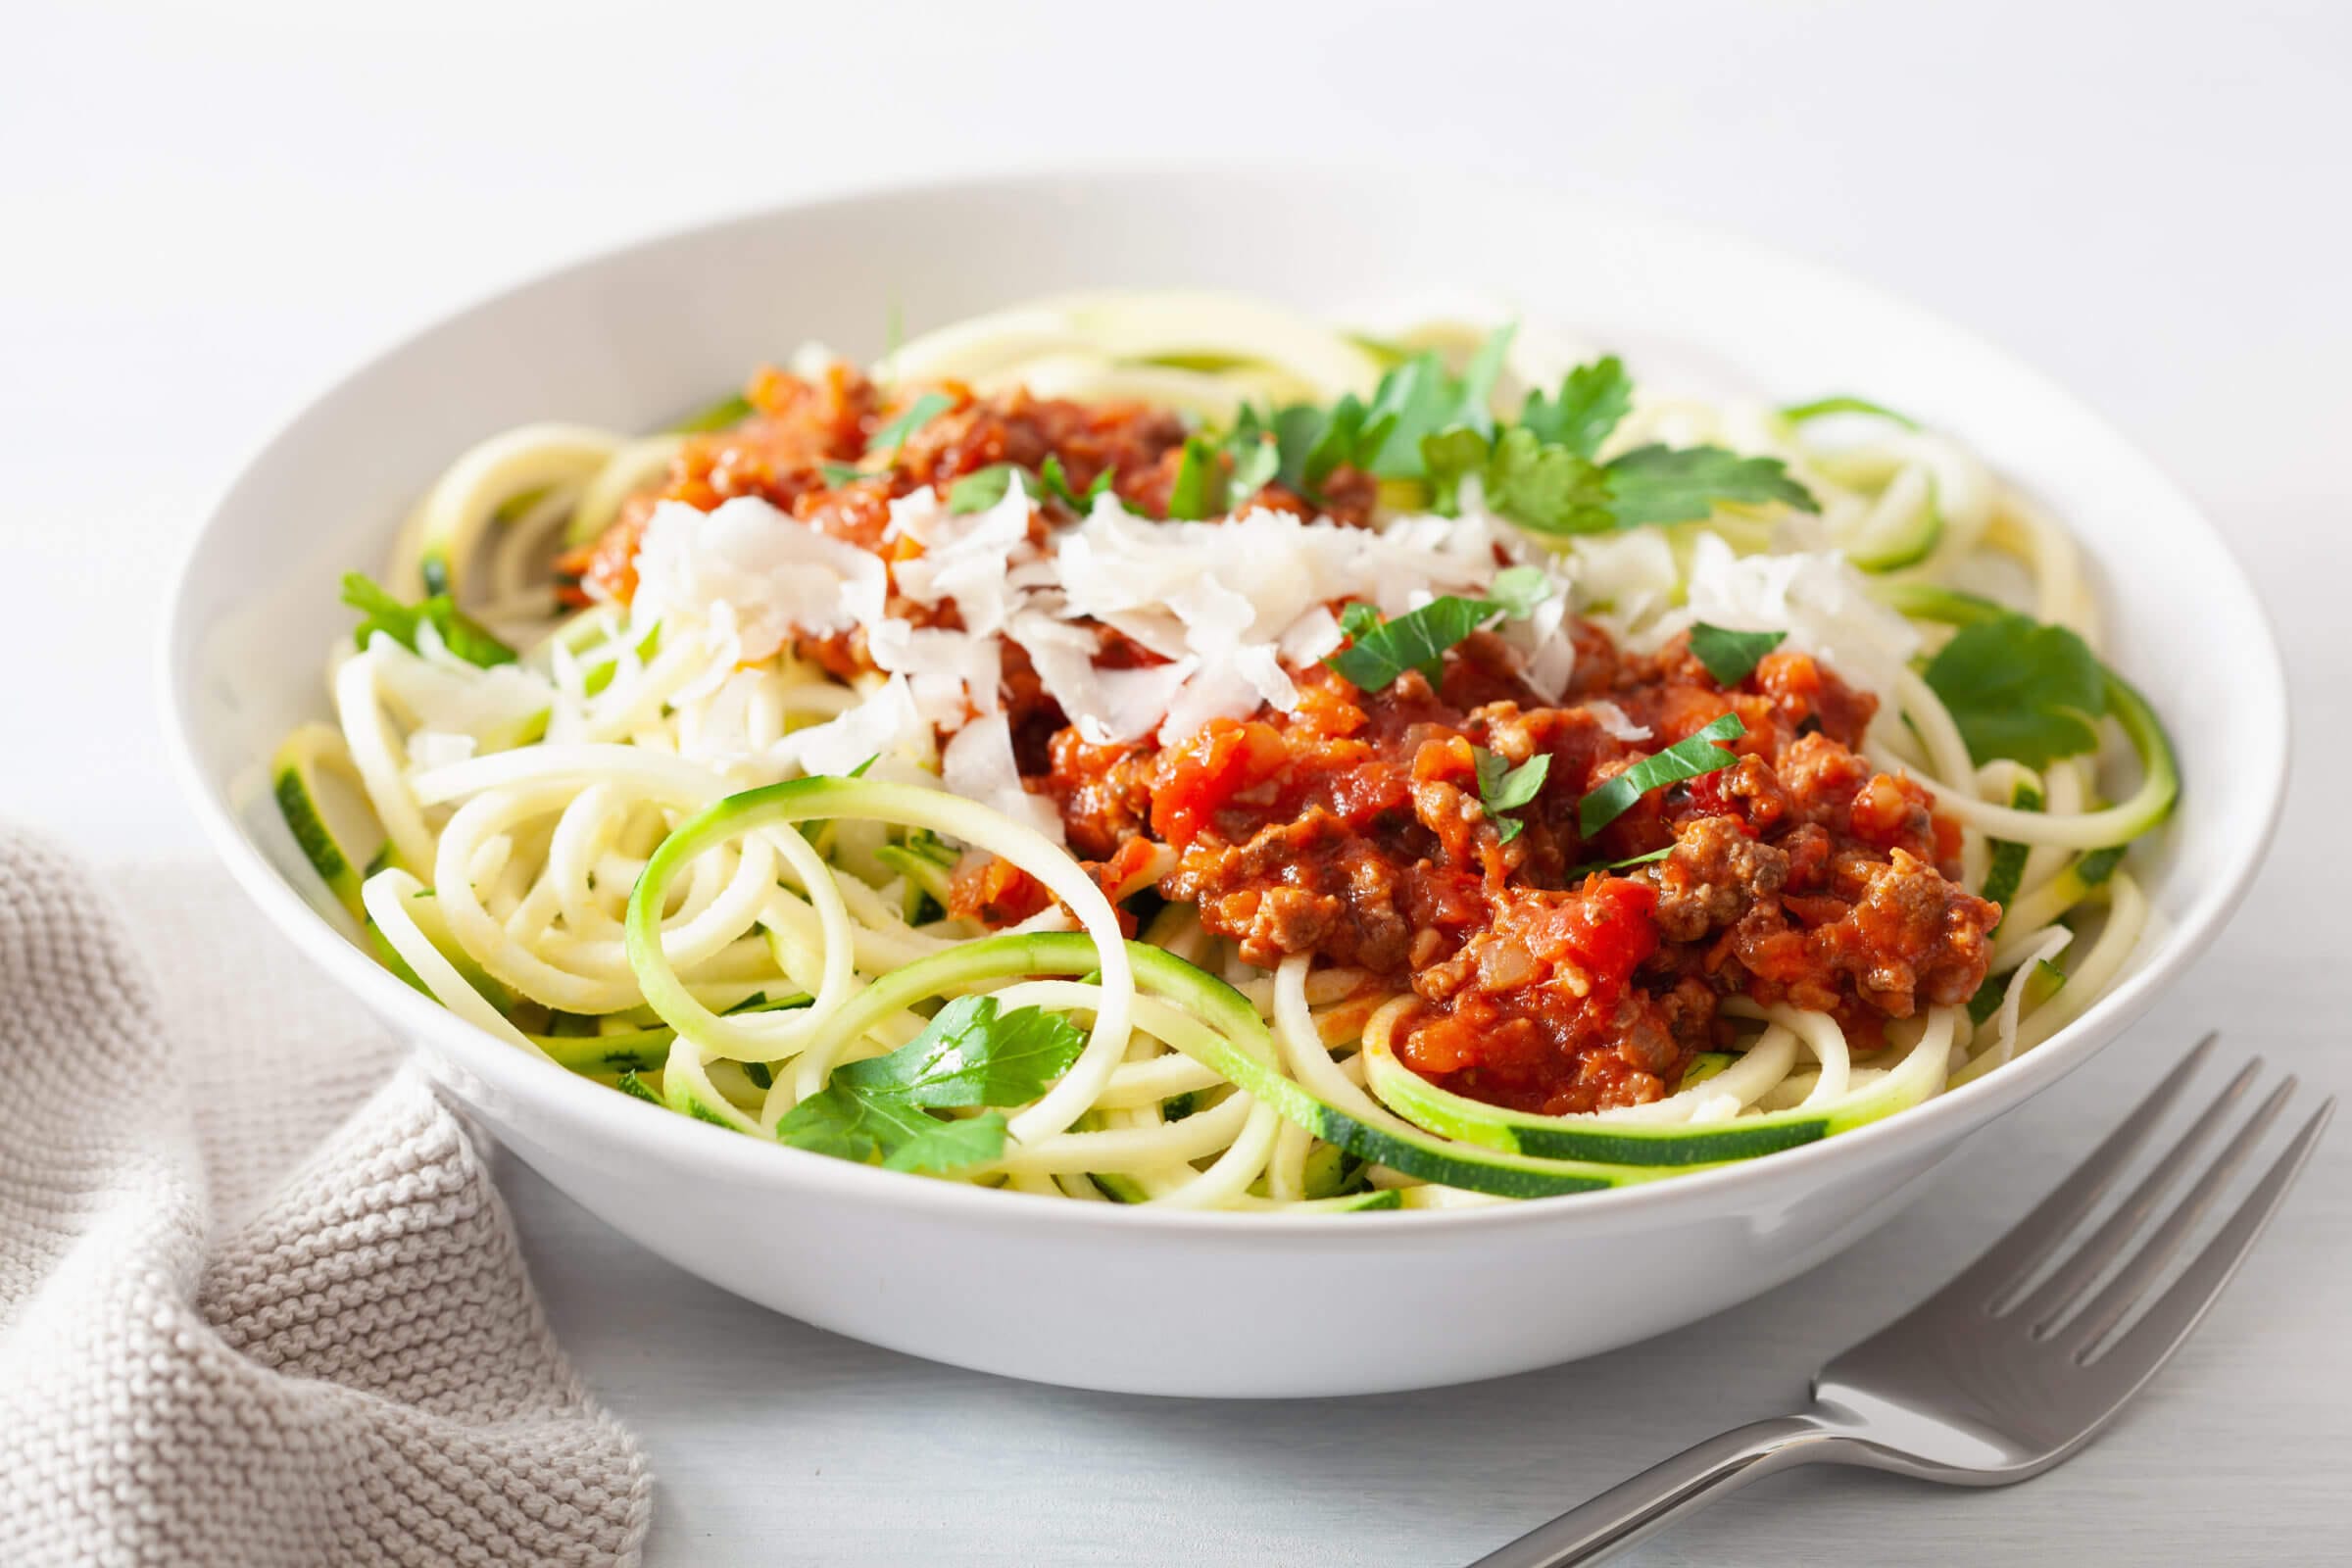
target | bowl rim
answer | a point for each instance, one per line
(684, 1142)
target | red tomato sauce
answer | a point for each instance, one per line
(1352, 828)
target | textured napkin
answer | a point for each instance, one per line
(259, 1304)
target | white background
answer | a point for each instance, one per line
(207, 213)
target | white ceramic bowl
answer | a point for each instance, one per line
(1094, 1294)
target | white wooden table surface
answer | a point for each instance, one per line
(205, 214)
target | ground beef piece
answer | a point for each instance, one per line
(1715, 872)
(1309, 885)
(1127, 440)
(1821, 776)
(1104, 792)
(1348, 497)
(1912, 936)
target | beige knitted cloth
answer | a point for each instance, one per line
(258, 1302)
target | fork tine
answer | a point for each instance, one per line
(1988, 1281)
(2145, 1346)
(2071, 1278)
(2114, 1299)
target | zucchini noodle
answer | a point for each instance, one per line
(648, 844)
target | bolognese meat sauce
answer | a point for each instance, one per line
(1352, 829)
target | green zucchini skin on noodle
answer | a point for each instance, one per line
(293, 784)
(2160, 782)
(1662, 1145)
(1242, 1055)
(1458, 1143)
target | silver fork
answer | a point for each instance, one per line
(1996, 1377)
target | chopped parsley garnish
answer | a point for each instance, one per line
(1684, 484)
(1199, 474)
(1057, 484)
(1380, 650)
(1504, 788)
(1549, 489)
(1417, 398)
(1542, 473)
(985, 487)
(981, 489)
(841, 473)
(1686, 758)
(969, 1055)
(1731, 655)
(1256, 462)
(1577, 873)
(461, 633)
(921, 412)
(2022, 689)
(1589, 403)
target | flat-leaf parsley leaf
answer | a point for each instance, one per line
(1730, 656)
(1504, 788)
(1592, 399)
(2020, 688)
(1684, 484)
(978, 491)
(1380, 650)
(921, 412)
(969, 1055)
(1685, 758)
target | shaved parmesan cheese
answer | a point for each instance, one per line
(952, 672)
(978, 764)
(1631, 574)
(1819, 600)
(968, 560)
(753, 578)
(1232, 608)
(1239, 600)
(1614, 722)
(488, 708)
(1313, 637)
(1134, 699)
(886, 722)
(1063, 655)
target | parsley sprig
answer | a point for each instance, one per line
(1379, 651)
(970, 1055)
(2020, 688)
(921, 412)
(1424, 424)
(985, 487)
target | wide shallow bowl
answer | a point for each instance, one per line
(1095, 1295)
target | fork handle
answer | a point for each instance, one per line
(1636, 1508)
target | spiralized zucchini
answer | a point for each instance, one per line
(585, 881)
